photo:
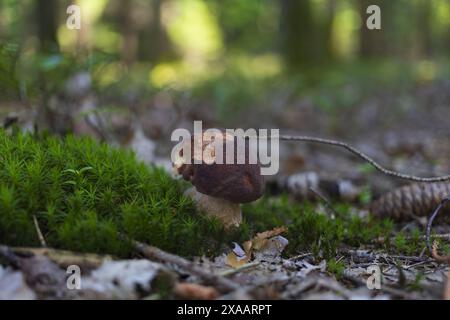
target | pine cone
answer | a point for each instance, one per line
(418, 199)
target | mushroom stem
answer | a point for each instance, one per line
(229, 213)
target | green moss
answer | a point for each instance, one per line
(313, 231)
(336, 267)
(84, 194)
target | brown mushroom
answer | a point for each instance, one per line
(219, 189)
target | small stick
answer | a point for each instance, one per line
(325, 201)
(444, 236)
(65, 258)
(154, 253)
(300, 256)
(39, 233)
(430, 222)
(385, 288)
(246, 266)
(364, 157)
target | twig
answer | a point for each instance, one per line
(154, 253)
(65, 258)
(325, 201)
(364, 157)
(444, 236)
(300, 256)
(39, 232)
(246, 266)
(98, 128)
(384, 288)
(430, 221)
(416, 264)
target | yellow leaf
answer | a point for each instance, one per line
(260, 240)
(247, 246)
(257, 243)
(235, 261)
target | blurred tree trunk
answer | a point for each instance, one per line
(46, 13)
(154, 43)
(144, 40)
(83, 44)
(297, 33)
(129, 33)
(328, 29)
(1, 19)
(425, 30)
(372, 42)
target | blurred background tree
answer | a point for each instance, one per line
(225, 51)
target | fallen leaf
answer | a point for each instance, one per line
(260, 239)
(268, 243)
(272, 249)
(238, 251)
(234, 261)
(248, 246)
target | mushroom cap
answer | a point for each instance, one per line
(238, 183)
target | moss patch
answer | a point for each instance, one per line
(84, 194)
(310, 230)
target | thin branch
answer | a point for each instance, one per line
(64, 258)
(444, 236)
(430, 222)
(244, 267)
(97, 127)
(325, 201)
(154, 253)
(364, 157)
(39, 232)
(385, 288)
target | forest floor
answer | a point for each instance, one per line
(42, 273)
(404, 130)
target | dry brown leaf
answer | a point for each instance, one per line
(257, 243)
(247, 246)
(195, 291)
(260, 240)
(234, 261)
